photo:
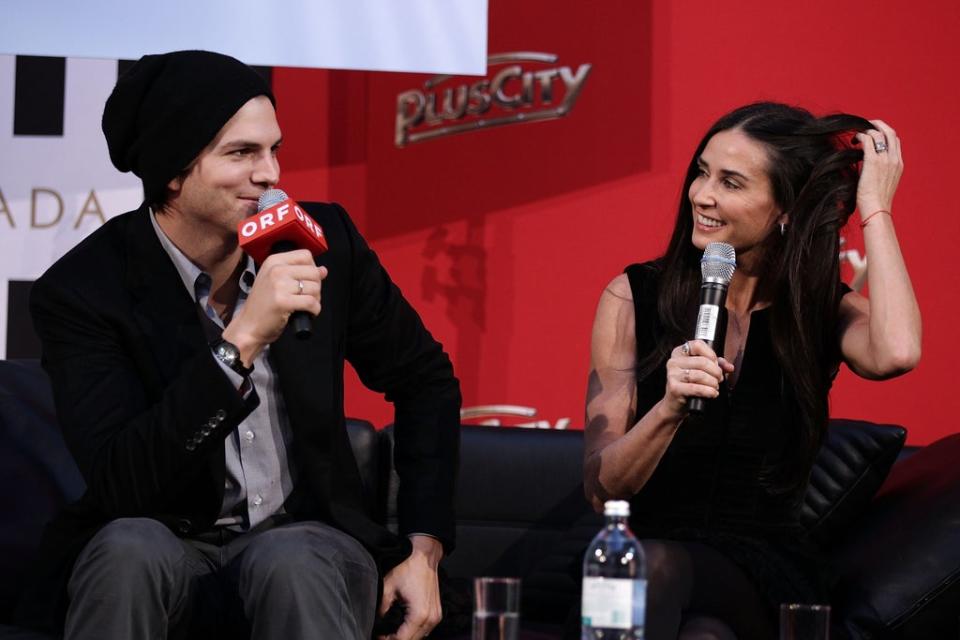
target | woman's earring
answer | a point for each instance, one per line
(783, 228)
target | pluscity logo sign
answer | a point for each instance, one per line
(512, 95)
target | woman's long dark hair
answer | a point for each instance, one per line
(814, 172)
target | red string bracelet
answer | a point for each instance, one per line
(864, 222)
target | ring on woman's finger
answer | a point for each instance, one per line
(686, 375)
(880, 146)
(299, 287)
(685, 348)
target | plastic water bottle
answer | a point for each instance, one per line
(614, 580)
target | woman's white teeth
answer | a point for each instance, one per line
(708, 222)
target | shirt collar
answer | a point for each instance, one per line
(192, 275)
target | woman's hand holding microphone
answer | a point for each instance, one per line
(692, 370)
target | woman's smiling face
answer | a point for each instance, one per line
(732, 197)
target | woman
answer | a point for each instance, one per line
(715, 496)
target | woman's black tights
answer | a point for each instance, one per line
(694, 592)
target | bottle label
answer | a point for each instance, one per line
(614, 603)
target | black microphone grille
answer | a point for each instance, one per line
(269, 198)
(718, 263)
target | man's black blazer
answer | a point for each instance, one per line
(134, 382)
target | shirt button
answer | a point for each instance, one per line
(257, 500)
(221, 414)
(249, 436)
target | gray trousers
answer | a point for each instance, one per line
(136, 580)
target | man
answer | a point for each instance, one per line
(221, 482)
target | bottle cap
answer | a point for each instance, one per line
(616, 508)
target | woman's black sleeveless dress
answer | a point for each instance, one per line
(709, 486)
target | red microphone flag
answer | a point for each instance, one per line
(283, 221)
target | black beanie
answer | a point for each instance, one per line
(168, 107)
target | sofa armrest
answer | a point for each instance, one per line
(35, 461)
(899, 568)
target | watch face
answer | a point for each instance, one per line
(228, 353)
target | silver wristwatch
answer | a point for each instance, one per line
(228, 354)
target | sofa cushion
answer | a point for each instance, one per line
(900, 568)
(519, 490)
(851, 465)
(521, 512)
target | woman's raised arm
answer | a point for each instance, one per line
(880, 336)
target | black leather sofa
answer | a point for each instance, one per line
(521, 512)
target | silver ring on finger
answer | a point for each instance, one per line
(879, 146)
(685, 348)
(299, 287)
(686, 375)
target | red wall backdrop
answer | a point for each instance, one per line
(504, 238)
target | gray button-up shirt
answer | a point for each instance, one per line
(259, 474)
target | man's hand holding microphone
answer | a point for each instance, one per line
(283, 241)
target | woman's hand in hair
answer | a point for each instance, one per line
(881, 170)
(880, 336)
(693, 370)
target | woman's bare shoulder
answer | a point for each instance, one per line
(619, 287)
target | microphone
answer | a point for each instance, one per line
(717, 265)
(280, 225)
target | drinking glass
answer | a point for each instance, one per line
(804, 622)
(496, 608)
